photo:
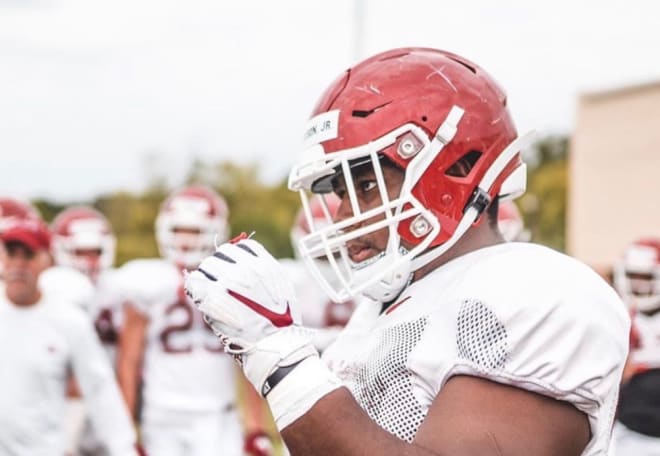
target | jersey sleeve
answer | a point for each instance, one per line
(67, 285)
(101, 394)
(144, 284)
(558, 350)
(566, 339)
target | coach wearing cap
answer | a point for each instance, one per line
(25, 258)
(42, 339)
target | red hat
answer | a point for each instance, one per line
(33, 233)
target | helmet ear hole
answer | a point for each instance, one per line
(463, 166)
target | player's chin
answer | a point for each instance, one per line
(18, 291)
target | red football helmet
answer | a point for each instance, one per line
(83, 239)
(190, 222)
(435, 115)
(510, 222)
(13, 210)
(637, 275)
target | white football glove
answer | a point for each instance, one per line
(249, 302)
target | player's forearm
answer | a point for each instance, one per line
(129, 357)
(128, 385)
(336, 425)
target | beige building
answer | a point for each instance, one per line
(614, 175)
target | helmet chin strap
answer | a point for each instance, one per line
(479, 201)
(391, 285)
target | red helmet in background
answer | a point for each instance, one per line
(442, 120)
(13, 210)
(83, 239)
(637, 275)
(189, 223)
(511, 223)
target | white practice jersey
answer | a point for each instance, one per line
(67, 284)
(518, 314)
(318, 311)
(102, 301)
(39, 346)
(107, 310)
(645, 342)
(184, 366)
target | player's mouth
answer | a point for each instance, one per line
(361, 251)
(12, 276)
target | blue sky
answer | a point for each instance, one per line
(97, 96)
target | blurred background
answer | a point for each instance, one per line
(114, 104)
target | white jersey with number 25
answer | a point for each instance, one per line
(184, 366)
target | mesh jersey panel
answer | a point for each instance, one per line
(480, 336)
(383, 386)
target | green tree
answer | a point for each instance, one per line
(132, 218)
(544, 204)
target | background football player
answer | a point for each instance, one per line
(83, 241)
(464, 343)
(188, 383)
(637, 279)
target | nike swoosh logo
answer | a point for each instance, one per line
(279, 320)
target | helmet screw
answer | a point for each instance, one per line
(406, 148)
(446, 199)
(420, 226)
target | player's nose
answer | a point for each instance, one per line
(344, 211)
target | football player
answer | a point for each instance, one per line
(84, 243)
(637, 279)
(83, 240)
(42, 339)
(463, 344)
(188, 383)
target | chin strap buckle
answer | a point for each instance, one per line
(480, 200)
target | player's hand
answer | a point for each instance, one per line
(244, 293)
(247, 299)
(258, 444)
